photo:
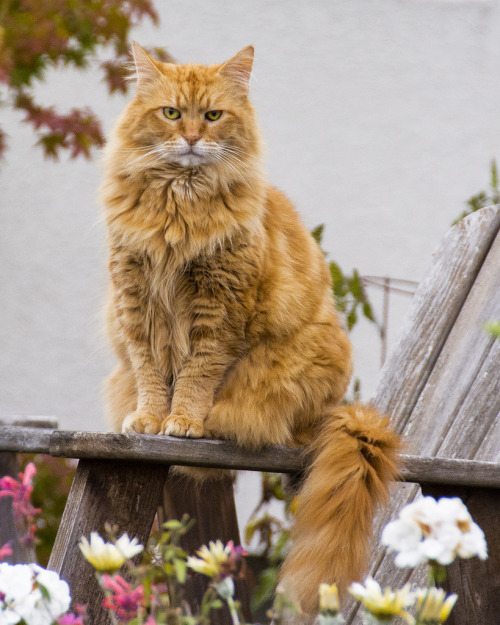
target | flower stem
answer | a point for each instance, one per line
(422, 606)
(233, 611)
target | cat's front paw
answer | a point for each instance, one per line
(141, 422)
(183, 426)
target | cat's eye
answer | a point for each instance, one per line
(171, 113)
(213, 116)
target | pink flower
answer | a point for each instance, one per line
(5, 551)
(74, 618)
(70, 619)
(20, 491)
(125, 600)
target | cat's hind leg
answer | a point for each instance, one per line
(121, 396)
(281, 388)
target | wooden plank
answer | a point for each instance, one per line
(120, 493)
(461, 399)
(477, 583)
(451, 471)
(490, 447)
(213, 453)
(436, 306)
(211, 504)
(25, 439)
(174, 451)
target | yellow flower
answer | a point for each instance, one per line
(210, 558)
(328, 598)
(432, 606)
(107, 557)
(386, 604)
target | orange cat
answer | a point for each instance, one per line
(220, 308)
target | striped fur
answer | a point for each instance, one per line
(219, 307)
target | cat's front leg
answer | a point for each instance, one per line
(154, 395)
(152, 405)
(195, 387)
(131, 299)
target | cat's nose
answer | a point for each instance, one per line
(192, 138)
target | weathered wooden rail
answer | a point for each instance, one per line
(441, 386)
(219, 454)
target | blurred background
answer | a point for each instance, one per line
(381, 119)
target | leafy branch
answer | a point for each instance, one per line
(38, 35)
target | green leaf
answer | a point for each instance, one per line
(216, 604)
(493, 328)
(44, 591)
(168, 568)
(336, 273)
(281, 545)
(146, 583)
(268, 580)
(250, 528)
(317, 233)
(355, 285)
(180, 570)
(494, 175)
(169, 553)
(356, 389)
(352, 318)
(172, 525)
(368, 311)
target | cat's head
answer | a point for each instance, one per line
(190, 116)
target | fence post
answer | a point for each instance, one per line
(125, 494)
(211, 504)
(477, 583)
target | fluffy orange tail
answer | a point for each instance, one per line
(354, 459)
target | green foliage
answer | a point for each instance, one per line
(348, 290)
(38, 36)
(317, 233)
(483, 198)
(169, 559)
(493, 328)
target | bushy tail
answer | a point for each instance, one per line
(354, 459)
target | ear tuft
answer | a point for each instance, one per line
(239, 68)
(145, 66)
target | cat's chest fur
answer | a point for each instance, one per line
(169, 312)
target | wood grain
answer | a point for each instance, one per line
(24, 439)
(213, 453)
(476, 582)
(441, 384)
(120, 493)
(436, 305)
(211, 504)
(461, 398)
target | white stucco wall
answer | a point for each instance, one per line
(380, 117)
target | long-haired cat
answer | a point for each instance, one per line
(220, 308)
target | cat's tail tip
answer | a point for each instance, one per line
(354, 459)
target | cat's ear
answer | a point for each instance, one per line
(145, 67)
(239, 68)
